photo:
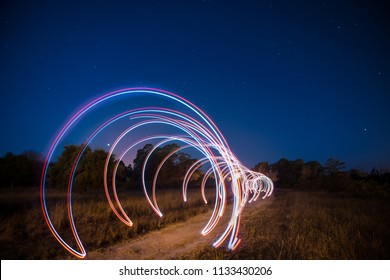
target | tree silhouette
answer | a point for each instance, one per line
(333, 166)
(20, 170)
(89, 172)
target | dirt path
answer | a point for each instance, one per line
(174, 240)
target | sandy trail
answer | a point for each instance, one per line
(174, 240)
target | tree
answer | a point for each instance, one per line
(59, 170)
(311, 169)
(333, 166)
(140, 159)
(262, 167)
(19, 170)
(287, 172)
(89, 172)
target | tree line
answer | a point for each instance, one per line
(330, 176)
(25, 169)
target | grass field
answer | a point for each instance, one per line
(312, 225)
(25, 235)
(293, 225)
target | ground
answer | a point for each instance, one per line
(176, 240)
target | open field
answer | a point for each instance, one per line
(310, 225)
(25, 235)
(288, 225)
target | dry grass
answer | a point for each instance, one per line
(312, 225)
(24, 234)
(293, 225)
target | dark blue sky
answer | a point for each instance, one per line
(294, 79)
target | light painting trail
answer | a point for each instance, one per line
(195, 131)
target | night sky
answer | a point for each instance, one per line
(293, 79)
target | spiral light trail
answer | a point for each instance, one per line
(196, 131)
